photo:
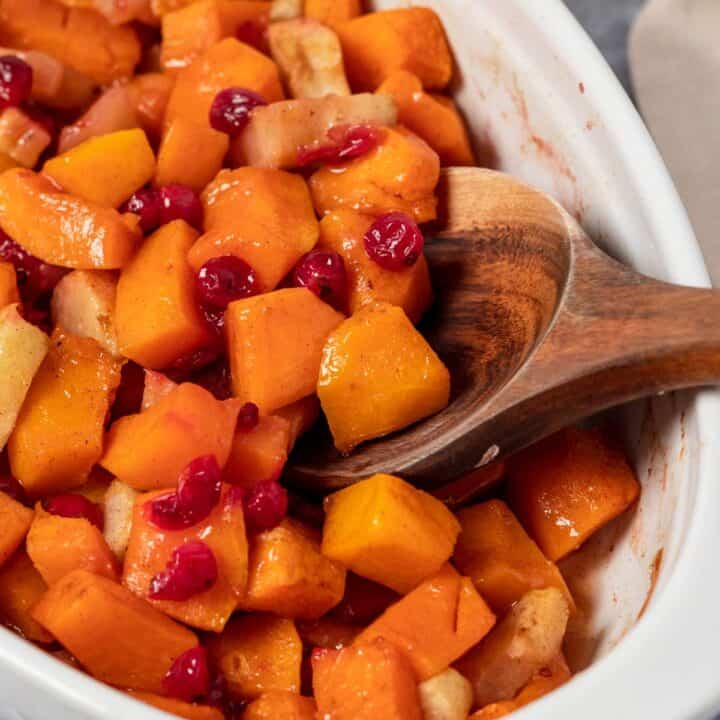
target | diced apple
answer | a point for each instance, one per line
(447, 696)
(157, 386)
(84, 304)
(286, 9)
(21, 137)
(277, 131)
(118, 505)
(309, 56)
(22, 349)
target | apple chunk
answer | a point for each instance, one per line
(22, 349)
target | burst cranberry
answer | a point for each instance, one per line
(147, 205)
(394, 241)
(179, 202)
(324, 274)
(198, 492)
(16, 79)
(345, 142)
(252, 33)
(265, 506)
(221, 280)
(72, 505)
(37, 316)
(191, 570)
(10, 486)
(189, 678)
(35, 277)
(215, 318)
(248, 417)
(231, 108)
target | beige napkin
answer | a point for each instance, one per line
(675, 65)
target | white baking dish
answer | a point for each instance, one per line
(539, 96)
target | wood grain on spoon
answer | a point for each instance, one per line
(539, 328)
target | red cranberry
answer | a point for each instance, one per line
(192, 569)
(38, 316)
(188, 678)
(147, 205)
(252, 33)
(394, 241)
(324, 274)
(215, 318)
(248, 417)
(73, 505)
(35, 277)
(43, 117)
(216, 379)
(265, 506)
(231, 108)
(345, 142)
(10, 486)
(16, 79)
(179, 202)
(221, 280)
(198, 492)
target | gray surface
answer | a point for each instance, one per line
(608, 22)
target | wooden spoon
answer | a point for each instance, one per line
(539, 328)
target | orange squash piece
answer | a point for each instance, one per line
(567, 487)
(106, 169)
(388, 531)
(503, 561)
(58, 545)
(377, 44)
(189, 711)
(301, 415)
(263, 216)
(149, 451)
(279, 705)
(62, 229)
(275, 343)
(117, 637)
(21, 138)
(332, 12)
(227, 63)
(156, 314)
(21, 586)
(148, 94)
(194, 169)
(378, 375)
(150, 549)
(342, 231)
(434, 624)
(400, 174)
(58, 436)
(289, 576)
(364, 600)
(15, 521)
(78, 37)
(260, 454)
(365, 682)
(8, 285)
(258, 654)
(434, 118)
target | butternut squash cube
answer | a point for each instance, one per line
(504, 563)
(435, 624)
(60, 430)
(343, 232)
(15, 521)
(378, 375)
(148, 451)
(117, 637)
(280, 705)
(107, 169)
(258, 654)
(567, 487)
(275, 344)
(8, 285)
(400, 174)
(289, 576)
(301, 416)
(263, 216)
(388, 531)
(332, 12)
(189, 711)
(157, 316)
(365, 682)
(150, 549)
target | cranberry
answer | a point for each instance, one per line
(215, 318)
(216, 379)
(198, 492)
(188, 678)
(10, 486)
(147, 205)
(248, 417)
(38, 316)
(265, 506)
(179, 202)
(394, 241)
(345, 142)
(73, 505)
(324, 274)
(35, 277)
(252, 33)
(16, 79)
(192, 569)
(231, 108)
(224, 279)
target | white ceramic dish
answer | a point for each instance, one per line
(537, 92)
